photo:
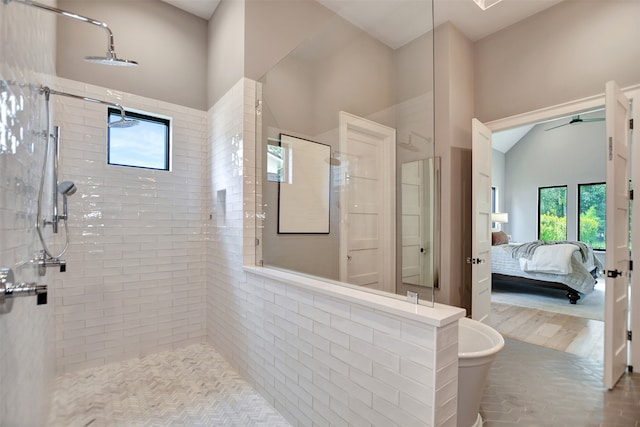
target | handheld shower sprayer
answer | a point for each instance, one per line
(66, 188)
(110, 58)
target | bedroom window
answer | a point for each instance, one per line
(592, 207)
(552, 213)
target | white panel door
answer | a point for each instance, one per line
(617, 240)
(367, 201)
(481, 221)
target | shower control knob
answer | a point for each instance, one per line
(9, 289)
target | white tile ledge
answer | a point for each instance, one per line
(440, 315)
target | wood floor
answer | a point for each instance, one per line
(576, 335)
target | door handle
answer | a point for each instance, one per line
(614, 273)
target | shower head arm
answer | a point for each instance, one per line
(110, 43)
(48, 91)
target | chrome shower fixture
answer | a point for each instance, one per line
(122, 123)
(66, 188)
(110, 57)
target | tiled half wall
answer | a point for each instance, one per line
(319, 357)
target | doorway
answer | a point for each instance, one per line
(570, 109)
(552, 161)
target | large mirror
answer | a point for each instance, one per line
(360, 83)
(420, 198)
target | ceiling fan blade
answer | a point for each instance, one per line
(559, 126)
(576, 120)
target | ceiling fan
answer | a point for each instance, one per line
(577, 120)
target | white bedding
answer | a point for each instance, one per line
(554, 259)
(579, 278)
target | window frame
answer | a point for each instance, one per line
(603, 183)
(149, 117)
(540, 189)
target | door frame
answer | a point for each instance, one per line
(572, 108)
(387, 134)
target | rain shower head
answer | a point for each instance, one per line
(67, 188)
(110, 58)
(122, 123)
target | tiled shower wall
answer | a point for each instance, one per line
(136, 265)
(26, 330)
(319, 358)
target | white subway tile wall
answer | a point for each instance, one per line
(151, 268)
(320, 360)
(26, 330)
(136, 265)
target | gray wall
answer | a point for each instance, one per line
(225, 52)
(453, 113)
(565, 53)
(498, 167)
(302, 96)
(274, 28)
(570, 155)
(341, 68)
(248, 38)
(169, 44)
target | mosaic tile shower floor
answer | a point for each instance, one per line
(193, 386)
(528, 386)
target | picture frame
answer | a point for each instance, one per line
(304, 191)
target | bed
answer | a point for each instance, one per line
(565, 265)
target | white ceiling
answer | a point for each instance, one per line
(202, 8)
(504, 140)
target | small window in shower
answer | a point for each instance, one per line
(143, 145)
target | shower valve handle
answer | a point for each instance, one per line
(42, 261)
(9, 289)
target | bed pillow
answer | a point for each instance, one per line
(499, 238)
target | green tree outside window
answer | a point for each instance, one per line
(552, 213)
(592, 207)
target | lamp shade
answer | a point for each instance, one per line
(500, 217)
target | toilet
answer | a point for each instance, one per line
(478, 345)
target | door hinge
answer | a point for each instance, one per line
(631, 124)
(630, 265)
(610, 148)
(630, 194)
(475, 261)
(629, 336)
